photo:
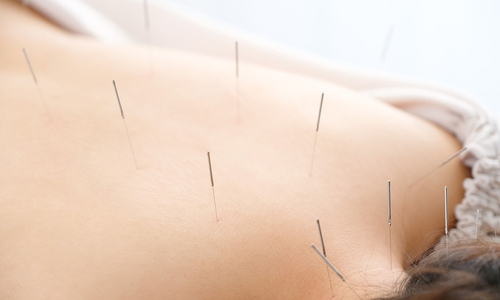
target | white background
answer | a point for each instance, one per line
(456, 43)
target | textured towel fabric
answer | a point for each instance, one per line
(465, 117)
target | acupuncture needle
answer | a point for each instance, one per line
(388, 39)
(477, 222)
(146, 14)
(212, 181)
(35, 79)
(237, 78)
(334, 269)
(409, 187)
(146, 20)
(237, 60)
(440, 166)
(324, 253)
(496, 228)
(446, 216)
(29, 65)
(316, 135)
(125, 124)
(390, 224)
(328, 262)
(147, 28)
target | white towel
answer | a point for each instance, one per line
(78, 17)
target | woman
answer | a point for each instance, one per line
(96, 206)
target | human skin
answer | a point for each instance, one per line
(80, 221)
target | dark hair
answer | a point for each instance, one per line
(464, 270)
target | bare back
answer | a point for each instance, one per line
(80, 221)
